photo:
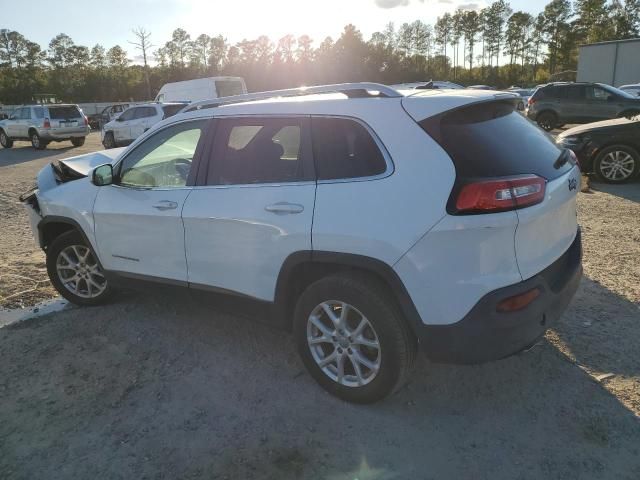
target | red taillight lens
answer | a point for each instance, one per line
(518, 302)
(86, 121)
(501, 194)
(531, 101)
(47, 123)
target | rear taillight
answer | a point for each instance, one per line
(47, 123)
(531, 101)
(86, 121)
(500, 194)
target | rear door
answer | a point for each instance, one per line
(137, 220)
(253, 206)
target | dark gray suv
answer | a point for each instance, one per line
(555, 104)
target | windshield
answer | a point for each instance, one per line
(617, 91)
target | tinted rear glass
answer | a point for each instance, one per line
(170, 110)
(493, 140)
(61, 113)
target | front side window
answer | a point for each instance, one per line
(164, 159)
(597, 93)
(262, 150)
(343, 148)
(128, 114)
(25, 114)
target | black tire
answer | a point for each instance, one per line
(36, 141)
(71, 239)
(547, 121)
(369, 298)
(5, 141)
(108, 141)
(629, 158)
(77, 142)
(629, 114)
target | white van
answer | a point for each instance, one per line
(201, 89)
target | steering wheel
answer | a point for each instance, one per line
(183, 166)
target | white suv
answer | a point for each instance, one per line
(134, 121)
(372, 221)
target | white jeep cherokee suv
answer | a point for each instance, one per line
(371, 221)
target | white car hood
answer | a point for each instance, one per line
(83, 164)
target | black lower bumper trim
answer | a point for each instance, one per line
(484, 334)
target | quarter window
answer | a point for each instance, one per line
(343, 148)
(164, 159)
(249, 151)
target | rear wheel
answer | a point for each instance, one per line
(36, 141)
(547, 121)
(109, 141)
(617, 164)
(5, 141)
(77, 142)
(352, 339)
(75, 272)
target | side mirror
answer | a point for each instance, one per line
(102, 175)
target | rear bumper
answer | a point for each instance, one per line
(485, 334)
(64, 134)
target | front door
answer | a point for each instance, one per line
(137, 220)
(254, 207)
(122, 125)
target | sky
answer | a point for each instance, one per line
(110, 23)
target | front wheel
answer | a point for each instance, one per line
(75, 272)
(352, 339)
(77, 142)
(617, 164)
(37, 142)
(109, 141)
(5, 141)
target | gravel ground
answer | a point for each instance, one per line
(167, 385)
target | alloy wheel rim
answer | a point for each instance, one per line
(617, 165)
(79, 272)
(343, 343)
(35, 140)
(3, 139)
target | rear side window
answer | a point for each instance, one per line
(62, 113)
(171, 110)
(343, 148)
(38, 112)
(260, 150)
(576, 92)
(493, 140)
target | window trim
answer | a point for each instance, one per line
(390, 166)
(309, 163)
(195, 164)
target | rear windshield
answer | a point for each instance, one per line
(228, 88)
(64, 112)
(170, 110)
(494, 140)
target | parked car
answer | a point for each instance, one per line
(201, 89)
(481, 87)
(42, 124)
(418, 239)
(524, 93)
(560, 103)
(610, 149)
(631, 89)
(134, 121)
(432, 84)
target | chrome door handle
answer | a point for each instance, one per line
(166, 205)
(284, 208)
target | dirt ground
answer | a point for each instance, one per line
(166, 385)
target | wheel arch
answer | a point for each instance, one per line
(51, 227)
(32, 130)
(303, 268)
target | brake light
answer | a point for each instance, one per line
(86, 120)
(47, 123)
(531, 101)
(501, 194)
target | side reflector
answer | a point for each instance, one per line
(518, 302)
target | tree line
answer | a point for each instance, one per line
(494, 45)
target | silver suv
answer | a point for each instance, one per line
(43, 124)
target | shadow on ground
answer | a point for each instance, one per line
(630, 190)
(154, 387)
